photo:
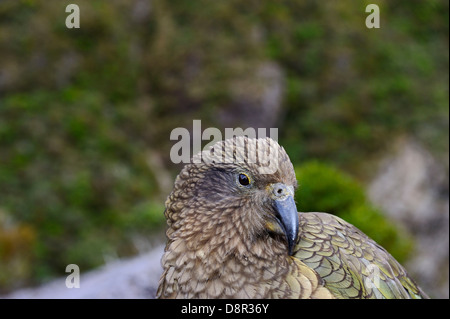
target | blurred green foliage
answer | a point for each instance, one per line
(72, 176)
(82, 110)
(324, 188)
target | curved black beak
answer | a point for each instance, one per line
(287, 216)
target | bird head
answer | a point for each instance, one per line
(240, 185)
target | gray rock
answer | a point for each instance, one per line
(412, 187)
(256, 98)
(121, 279)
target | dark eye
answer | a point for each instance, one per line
(244, 180)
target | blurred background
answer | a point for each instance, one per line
(86, 116)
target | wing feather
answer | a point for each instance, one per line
(351, 264)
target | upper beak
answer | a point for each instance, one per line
(287, 214)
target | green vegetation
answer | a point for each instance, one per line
(82, 110)
(323, 188)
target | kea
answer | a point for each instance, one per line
(234, 232)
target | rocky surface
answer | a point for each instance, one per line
(256, 98)
(412, 187)
(121, 279)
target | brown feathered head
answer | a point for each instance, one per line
(232, 196)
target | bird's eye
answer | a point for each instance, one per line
(244, 180)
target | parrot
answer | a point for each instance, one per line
(234, 231)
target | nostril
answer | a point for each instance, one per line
(279, 190)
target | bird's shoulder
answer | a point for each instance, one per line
(350, 263)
